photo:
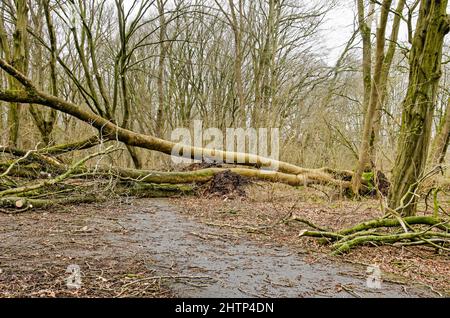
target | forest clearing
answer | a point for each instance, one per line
(196, 148)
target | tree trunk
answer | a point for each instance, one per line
(440, 143)
(384, 79)
(111, 131)
(364, 162)
(418, 105)
(19, 62)
(365, 29)
(237, 27)
(160, 80)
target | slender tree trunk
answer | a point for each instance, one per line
(126, 122)
(237, 27)
(365, 29)
(19, 62)
(364, 162)
(160, 81)
(45, 119)
(440, 142)
(5, 53)
(385, 77)
(418, 106)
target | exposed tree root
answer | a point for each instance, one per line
(109, 131)
(205, 175)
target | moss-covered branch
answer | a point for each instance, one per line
(368, 232)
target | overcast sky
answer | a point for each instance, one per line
(339, 27)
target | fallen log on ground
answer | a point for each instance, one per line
(411, 220)
(18, 204)
(313, 176)
(14, 205)
(369, 233)
(49, 182)
(32, 155)
(151, 190)
(308, 177)
(77, 145)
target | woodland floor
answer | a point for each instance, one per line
(207, 247)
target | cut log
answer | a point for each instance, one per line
(12, 205)
(20, 203)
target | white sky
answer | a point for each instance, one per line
(338, 28)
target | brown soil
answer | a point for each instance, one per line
(226, 184)
(37, 248)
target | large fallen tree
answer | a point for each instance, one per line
(110, 131)
(46, 180)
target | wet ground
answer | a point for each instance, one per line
(147, 244)
(240, 268)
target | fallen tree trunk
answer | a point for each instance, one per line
(32, 155)
(411, 220)
(388, 238)
(110, 131)
(204, 175)
(314, 176)
(309, 176)
(13, 205)
(78, 145)
(16, 204)
(29, 170)
(49, 182)
(151, 190)
(366, 232)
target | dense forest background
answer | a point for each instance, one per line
(91, 92)
(153, 66)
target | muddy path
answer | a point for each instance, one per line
(241, 268)
(123, 247)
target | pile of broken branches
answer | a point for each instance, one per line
(406, 231)
(41, 178)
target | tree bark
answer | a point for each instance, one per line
(18, 61)
(365, 29)
(418, 105)
(364, 162)
(385, 77)
(160, 80)
(440, 143)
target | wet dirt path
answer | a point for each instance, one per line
(235, 267)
